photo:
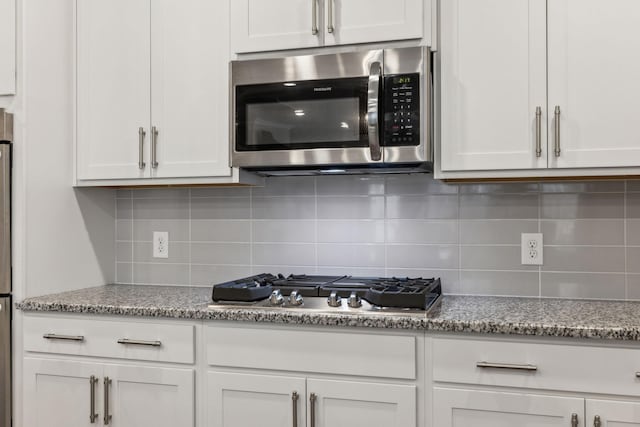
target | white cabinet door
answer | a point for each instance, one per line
(593, 78)
(57, 393)
(150, 397)
(242, 400)
(365, 21)
(113, 84)
(613, 413)
(190, 88)
(7, 47)
(259, 25)
(463, 408)
(355, 404)
(493, 75)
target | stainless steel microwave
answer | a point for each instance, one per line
(355, 112)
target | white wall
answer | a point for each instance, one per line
(68, 233)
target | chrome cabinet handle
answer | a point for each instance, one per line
(107, 416)
(637, 374)
(127, 341)
(63, 337)
(330, 28)
(489, 365)
(538, 131)
(314, 17)
(596, 421)
(141, 135)
(372, 110)
(92, 404)
(312, 409)
(556, 115)
(294, 400)
(154, 147)
(574, 420)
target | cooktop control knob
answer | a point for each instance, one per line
(295, 298)
(334, 300)
(276, 298)
(354, 301)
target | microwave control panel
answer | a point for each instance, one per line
(402, 110)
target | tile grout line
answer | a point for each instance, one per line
(539, 231)
(132, 241)
(190, 237)
(315, 223)
(251, 230)
(459, 239)
(626, 242)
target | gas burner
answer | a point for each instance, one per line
(343, 293)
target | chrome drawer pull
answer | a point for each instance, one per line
(538, 131)
(488, 365)
(63, 337)
(637, 374)
(314, 17)
(107, 416)
(126, 341)
(556, 113)
(92, 396)
(141, 135)
(312, 409)
(294, 399)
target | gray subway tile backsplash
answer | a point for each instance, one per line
(397, 225)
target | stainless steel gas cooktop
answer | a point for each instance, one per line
(339, 294)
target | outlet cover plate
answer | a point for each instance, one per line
(161, 244)
(531, 246)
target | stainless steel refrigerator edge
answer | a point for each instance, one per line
(6, 136)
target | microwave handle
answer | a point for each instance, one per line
(373, 106)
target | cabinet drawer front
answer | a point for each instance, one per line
(541, 366)
(385, 356)
(122, 340)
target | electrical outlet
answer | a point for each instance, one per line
(531, 248)
(161, 244)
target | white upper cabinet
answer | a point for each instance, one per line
(259, 25)
(7, 47)
(152, 90)
(493, 75)
(190, 80)
(575, 59)
(593, 78)
(113, 81)
(363, 21)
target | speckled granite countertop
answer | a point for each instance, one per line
(493, 315)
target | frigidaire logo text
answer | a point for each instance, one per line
(322, 89)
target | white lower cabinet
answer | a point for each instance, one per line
(150, 396)
(360, 404)
(478, 408)
(67, 392)
(612, 413)
(240, 400)
(286, 401)
(57, 393)
(462, 408)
